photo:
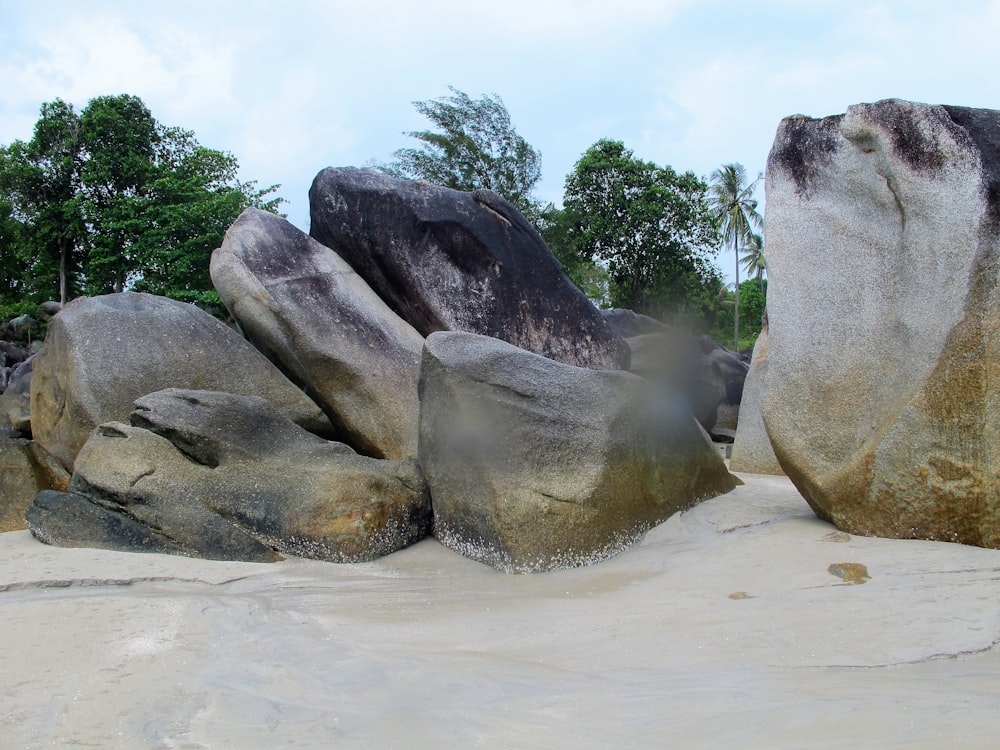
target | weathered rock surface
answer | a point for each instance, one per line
(302, 305)
(752, 451)
(628, 324)
(535, 465)
(15, 403)
(448, 260)
(222, 476)
(883, 387)
(25, 470)
(102, 353)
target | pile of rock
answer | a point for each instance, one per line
(420, 363)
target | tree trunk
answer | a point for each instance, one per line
(736, 321)
(63, 285)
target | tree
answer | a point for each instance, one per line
(193, 200)
(13, 269)
(735, 210)
(110, 199)
(41, 183)
(650, 226)
(753, 301)
(753, 257)
(120, 139)
(589, 277)
(475, 147)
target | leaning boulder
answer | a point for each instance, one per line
(883, 387)
(534, 465)
(302, 305)
(222, 476)
(102, 353)
(445, 260)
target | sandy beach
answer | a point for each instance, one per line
(744, 622)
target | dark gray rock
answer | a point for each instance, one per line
(22, 327)
(69, 519)
(448, 260)
(12, 353)
(223, 476)
(628, 324)
(534, 465)
(731, 368)
(15, 403)
(102, 353)
(302, 305)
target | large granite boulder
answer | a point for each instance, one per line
(102, 353)
(534, 465)
(448, 260)
(302, 305)
(25, 470)
(752, 451)
(222, 476)
(882, 397)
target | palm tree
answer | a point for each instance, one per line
(753, 257)
(735, 210)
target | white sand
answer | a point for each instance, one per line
(425, 649)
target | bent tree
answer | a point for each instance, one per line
(475, 146)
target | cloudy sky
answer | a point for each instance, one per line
(295, 86)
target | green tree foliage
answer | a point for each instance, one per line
(109, 199)
(592, 279)
(753, 259)
(649, 226)
(735, 210)
(475, 146)
(40, 183)
(13, 269)
(753, 301)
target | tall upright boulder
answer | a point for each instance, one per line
(303, 305)
(534, 465)
(445, 260)
(102, 353)
(882, 397)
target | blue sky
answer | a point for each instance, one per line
(292, 87)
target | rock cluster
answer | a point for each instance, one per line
(341, 433)
(219, 475)
(882, 393)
